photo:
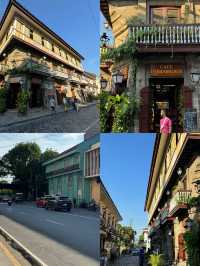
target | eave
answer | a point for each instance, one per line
(104, 6)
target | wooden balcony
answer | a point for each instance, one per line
(14, 33)
(179, 202)
(163, 36)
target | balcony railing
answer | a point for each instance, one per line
(166, 34)
(179, 201)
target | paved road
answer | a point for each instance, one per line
(86, 120)
(127, 261)
(58, 239)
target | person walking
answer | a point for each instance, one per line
(141, 257)
(52, 104)
(165, 123)
(65, 103)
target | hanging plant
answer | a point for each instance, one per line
(3, 94)
(22, 101)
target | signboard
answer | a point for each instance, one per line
(166, 70)
(190, 120)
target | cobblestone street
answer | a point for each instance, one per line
(86, 120)
(126, 261)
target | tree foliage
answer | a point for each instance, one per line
(24, 164)
(126, 236)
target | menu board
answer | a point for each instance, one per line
(190, 120)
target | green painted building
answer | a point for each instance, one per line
(66, 172)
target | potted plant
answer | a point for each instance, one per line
(22, 101)
(3, 93)
(156, 260)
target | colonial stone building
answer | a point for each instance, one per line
(173, 180)
(167, 38)
(109, 217)
(34, 58)
(74, 173)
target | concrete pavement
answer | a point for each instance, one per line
(58, 239)
(126, 261)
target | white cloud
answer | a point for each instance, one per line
(56, 141)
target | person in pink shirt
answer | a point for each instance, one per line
(165, 123)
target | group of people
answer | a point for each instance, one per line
(66, 102)
(114, 254)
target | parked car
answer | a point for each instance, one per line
(59, 203)
(19, 197)
(135, 252)
(42, 202)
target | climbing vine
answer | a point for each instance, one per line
(117, 112)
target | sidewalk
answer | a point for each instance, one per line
(12, 117)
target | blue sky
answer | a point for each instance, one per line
(77, 22)
(125, 166)
(56, 141)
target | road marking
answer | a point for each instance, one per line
(91, 125)
(23, 213)
(9, 255)
(85, 217)
(54, 222)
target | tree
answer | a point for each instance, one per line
(20, 162)
(42, 182)
(126, 236)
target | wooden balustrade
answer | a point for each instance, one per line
(166, 34)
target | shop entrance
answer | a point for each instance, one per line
(36, 96)
(166, 94)
(13, 91)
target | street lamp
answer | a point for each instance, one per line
(196, 182)
(103, 83)
(21, 83)
(195, 77)
(179, 171)
(104, 40)
(118, 77)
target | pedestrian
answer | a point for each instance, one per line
(65, 104)
(141, 257)
(52, 103)
(113, 254)
(104, 258)
(165, 123)
(75, 104)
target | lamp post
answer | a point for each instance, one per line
(103, 83)
(196, 182)
(117, 78)
(104, 40)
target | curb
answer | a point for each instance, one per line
(33, 259)
(38, 117)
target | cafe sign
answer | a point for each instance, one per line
(166, 70)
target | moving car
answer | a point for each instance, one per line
(59, 203)
(42, 202)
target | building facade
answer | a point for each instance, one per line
(69, 174)
(109, 217)
(34, 58)
(166, 35)
(172, 183)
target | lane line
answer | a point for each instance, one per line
(9, 255)
(85, 217)
(54, 222)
